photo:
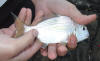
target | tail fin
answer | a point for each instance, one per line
(19, 26)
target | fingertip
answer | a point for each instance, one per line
(22, 14)
(72, 42)
(62, 50)
(29, 12)
(29, 9)
(23, 8)
(90, 18)
(85, 19)
(28, 16)
(93, 16)
(52, 56)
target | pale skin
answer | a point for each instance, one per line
(18, 49)
(10, 51)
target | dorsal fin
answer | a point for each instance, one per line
(19, 26)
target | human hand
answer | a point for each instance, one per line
(48, 8)
(22, 48)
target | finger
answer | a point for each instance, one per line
(61, 50)
(75, 14)
(52, 54)
(72, 42)
(85, 19)
(28, 53)
(44, 51)
(25, 40)
(19, 23)
(8, 31)
(38, 17)
(22, 14)
(78, 17)
(28, 16)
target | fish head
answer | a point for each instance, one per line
(81, 32)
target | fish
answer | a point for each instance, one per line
(55, 30)
(58, 29)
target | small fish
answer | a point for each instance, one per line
(57, 30)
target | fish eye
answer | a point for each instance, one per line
(83, 28)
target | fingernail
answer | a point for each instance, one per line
(35, 33)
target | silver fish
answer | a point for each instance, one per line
(58, 29)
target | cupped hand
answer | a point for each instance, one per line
(21, 48)
(49, 8)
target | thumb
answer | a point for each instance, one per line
(38, 17)
(84, 19)
(29, 52)
(77, 16)
(25, 40)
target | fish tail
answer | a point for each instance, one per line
(19, 24)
